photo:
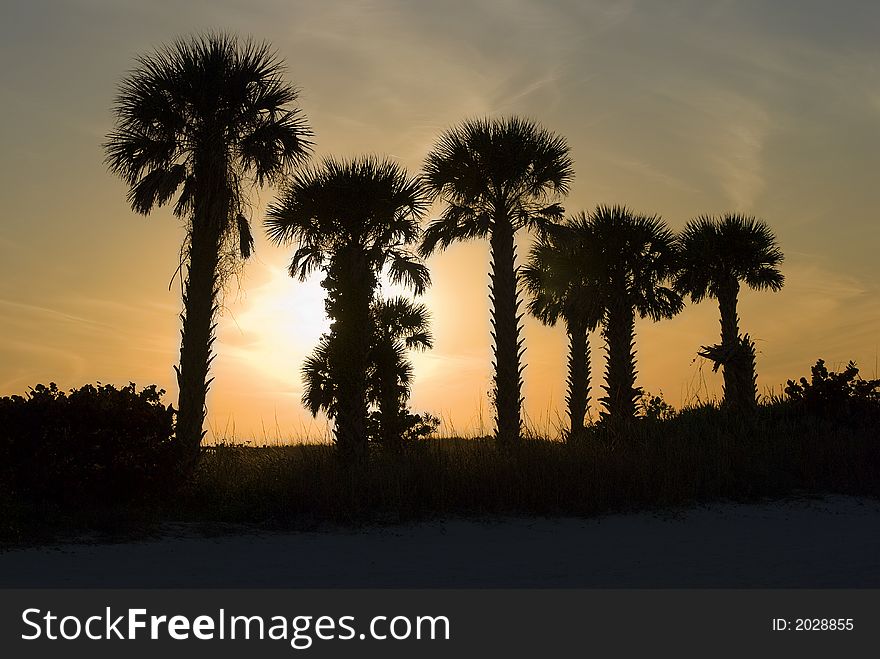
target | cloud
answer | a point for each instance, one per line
(736, 131)
(21, 311)
(678, 108)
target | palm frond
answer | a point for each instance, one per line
(715, 253)
(401, 319)
(456, 223)
(365, 201)
(319, 390)
(306, 260)
(636, 256)
(156, 188)
(406, 269)
(485, 168)
(205, 101)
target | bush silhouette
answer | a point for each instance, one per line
(410, 428)
(93, 442)
(655, 408)
(829, 393)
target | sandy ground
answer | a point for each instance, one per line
(827, 542)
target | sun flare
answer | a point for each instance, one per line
(276, 325)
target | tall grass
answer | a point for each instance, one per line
(698, 455)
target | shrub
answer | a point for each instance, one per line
(655, 408)
(411, 428)
(828, 393)
(95, 442)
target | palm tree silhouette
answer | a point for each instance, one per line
(352, 219)
(635, 256)
(498, 176)
(397, 325)
(716, 255)
(207, 117)
(561, 279)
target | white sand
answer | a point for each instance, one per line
(828, 542)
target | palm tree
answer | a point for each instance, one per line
(498, 176)
(562, 283)
(207, 117)
(397, 325)
(352, 219)
(716, 255)
(635, 256)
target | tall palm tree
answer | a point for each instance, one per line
(397, 325)
(561, 279)
(717, 254)
(498, 176)
(635, 257)
(205, 119)
(352, 219)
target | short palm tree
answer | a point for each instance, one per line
(561, 280)
(498, 176)
(352, 219)
(717, 254)
(205, 119)
(397, 325)
(635, 257)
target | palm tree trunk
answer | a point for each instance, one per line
(390, 426)
(505, 332)
(730, 346)
(748, 376)
(620, 373)
(350, 361)
(578, 396)
(200, 306)
(197, 337)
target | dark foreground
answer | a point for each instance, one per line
(828, 542)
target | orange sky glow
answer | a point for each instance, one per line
(675, 109)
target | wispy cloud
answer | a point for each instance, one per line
(735, 132)
(14, 309)
(678, 108)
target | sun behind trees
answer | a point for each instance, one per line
(353, 220)
(201, 123)
(207, 117)
(397, 325)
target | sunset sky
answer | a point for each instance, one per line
(674, 108)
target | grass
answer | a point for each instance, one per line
(698, 456)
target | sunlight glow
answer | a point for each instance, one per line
(276, 325)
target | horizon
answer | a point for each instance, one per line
(773, 112)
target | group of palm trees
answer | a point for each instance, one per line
(208, 118)
(604, 268)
